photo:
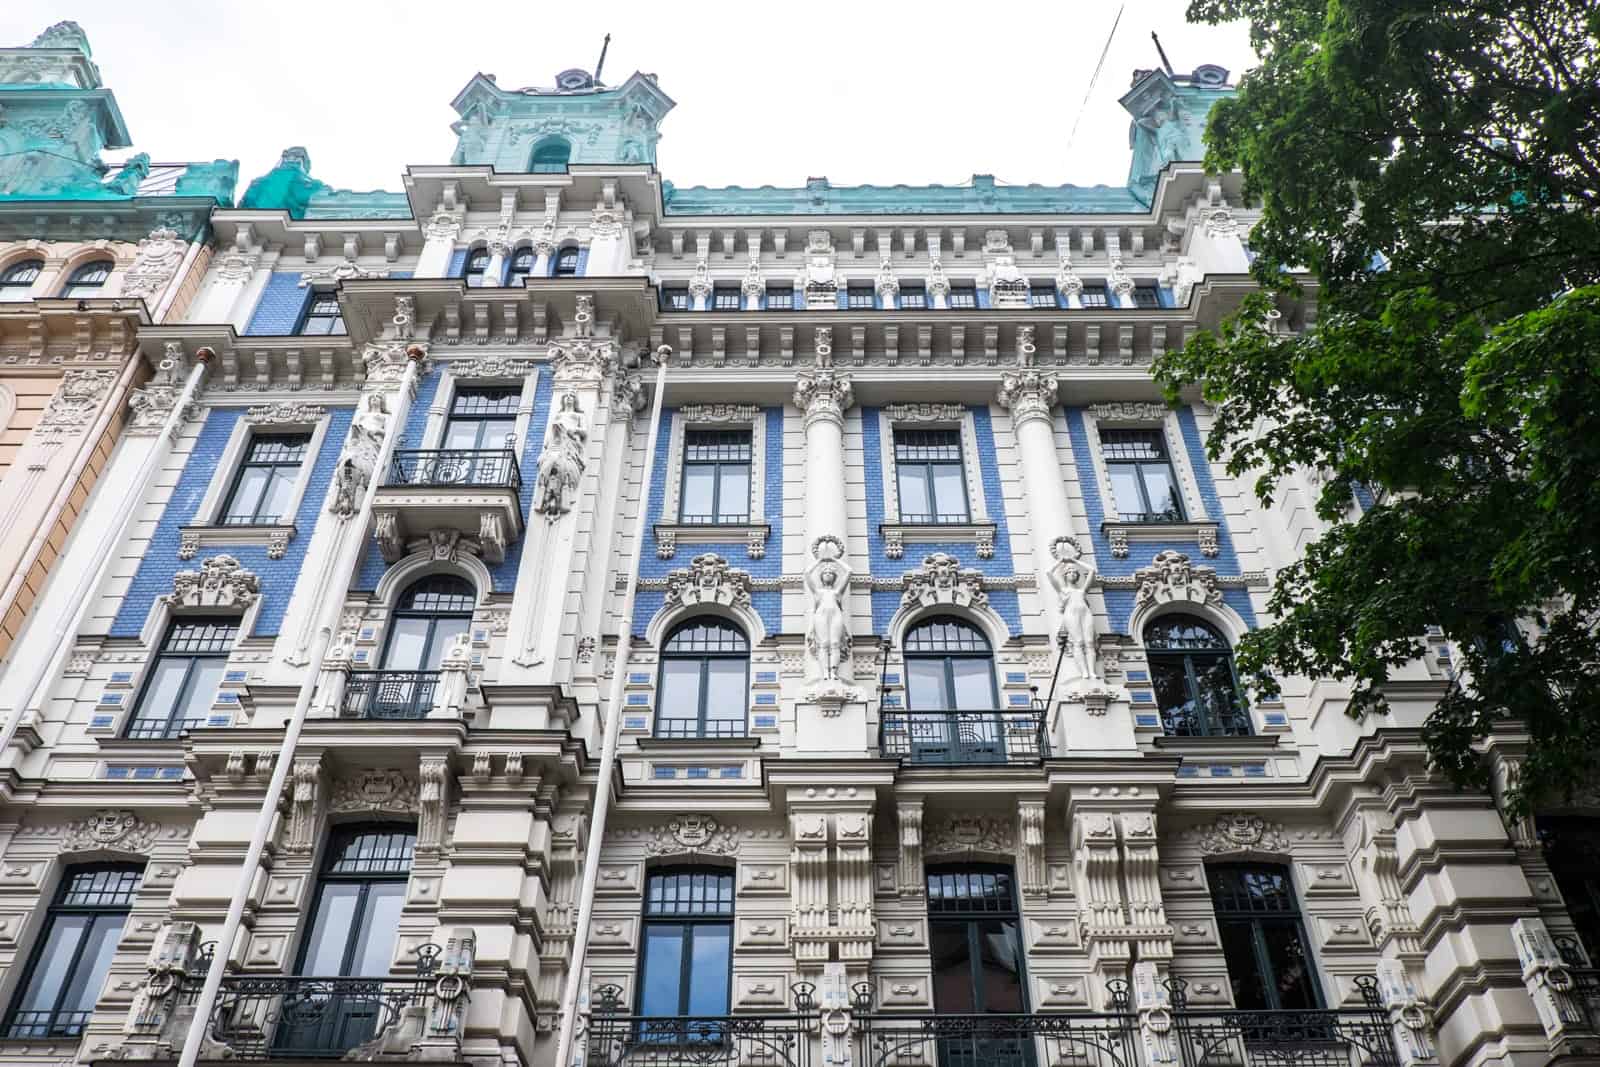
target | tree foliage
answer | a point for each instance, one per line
(1435, 167)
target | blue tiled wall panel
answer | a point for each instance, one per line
(1004, 602)
(161, 562)
(769, 603)
(458, 263)
(1119, 603)
(583, 261)
(282, 301)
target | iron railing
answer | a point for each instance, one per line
(480, 468)
(1037, 1039)
(389, 694)
(619, 1039)
(1003, 735)
(1585, 979)
(1310, 1037)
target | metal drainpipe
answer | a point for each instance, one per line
(350, 556)
(60, 639)
(613, 731)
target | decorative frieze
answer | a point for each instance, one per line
(155, 263)
(707, 580)
(500, 367)
(719, 413)
(1129, 411)
(942, 580)
(1238, 831)
(968, 834)
(693, 835)
(375, 791)
(76, 401)
(922, 413)
(110, 828)
(1171, 577)
(221, 582)
(285, 413)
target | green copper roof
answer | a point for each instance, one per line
(983, 195)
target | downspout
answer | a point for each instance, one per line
(350, 556)
(29, 694)
(613, 731)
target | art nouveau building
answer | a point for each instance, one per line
(850, 520)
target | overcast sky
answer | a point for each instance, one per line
(767, 93)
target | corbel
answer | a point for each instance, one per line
(752, 244)
(1086, 241)
(780, 242)
(702, 245)
(958, 242)
(728, 243)
(313, 247)
(1036, 242)
(391, 247)
(958, 344)
(352, 246)
(858, 241)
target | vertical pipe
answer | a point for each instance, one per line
(349, 557)
(613, 731)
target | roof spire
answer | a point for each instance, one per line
(1162, 52)
(603, 46)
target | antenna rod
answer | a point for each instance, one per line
(1165, 62)
(603, 46)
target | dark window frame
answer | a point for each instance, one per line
(1113, 438)
(727, 298)
(1095, 295)
(939, 649)
(703, 657)
(495, 413)
(566, 262)
(91, 275)
(323, 312)
(912, 296)
(860, 298)
(61, 906)
(786, 295)
(11, 277)
(985, 908)
(1258, 918)
(1195, 658)
(717, 440)
(718, 883)
(1146, 296)
(676, 298)
(218, 646)
(476, 266)
(522, 263)
(962, 298)
(328, 873)
(1043, 295)
(550, 165)
(908, 442)
(249, 462)
(446, 585)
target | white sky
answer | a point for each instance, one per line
(767, 93)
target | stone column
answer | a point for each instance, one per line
(609, 241)
(1030, 395)
(823, 395)
(440, 234)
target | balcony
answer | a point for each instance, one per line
(617, 1039)
(389, 694)
(964, 738)
(474, 494)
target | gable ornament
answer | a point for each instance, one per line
(708, 580)
(942, 580)
(221, 582)
(1171, 577)
(110, 828)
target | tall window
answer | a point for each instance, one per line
(963, 296)
(16, 281)
(323, 317)
(704, 686)
(780, 298)
(1142, 479)
(949, 667)
(977, 955)
(1263, 938)
(354, 918)
(482, 418)
(913, 295)
(930, 476)
(1572, 848)
(551, 156)
(476, 269)
(688, 936)
(1191, 669)
(265, 483)
(89, 279)
(522, 264)
(183, 680)
(74, 951)
(431, 613)
(716, 477)
(566, 265)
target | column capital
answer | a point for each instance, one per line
(1028, 394)
(824, 394)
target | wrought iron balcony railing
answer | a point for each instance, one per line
(480, 468)
(389, 694)
(1585, 979)
(1002, 735)
(618, 1039)
(1026, 1040)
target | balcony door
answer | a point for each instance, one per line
(950, 681)
(481, 429)
(354, 920)
(1263, 938)
(973, 936)
(429, 616)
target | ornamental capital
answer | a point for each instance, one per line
(1028, 394)
(823, 394)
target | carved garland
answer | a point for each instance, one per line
(110, 828)
(1239, 831)
(219, 583)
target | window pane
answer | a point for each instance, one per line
(726, 696)
(734, 504)
(379, 925)
(1125, 489)
(1244, 973)
(925, 685)
(445, 632)
(678, 702)
(1292, 982)
(407, 645)
(90, 974)
(166, 685)
(699, 483)
(914, 502)
(709, 969)
(279, 494)
(1161, 490)
(202, 691)
(662, 972)
(1171, 685)
(952, 969)
(999, 965)
(949, 493)
(50, 973)
(974, 682)
(462, 434)
(247, 494)
(336, 916)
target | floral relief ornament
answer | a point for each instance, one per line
(692, 833)
(375, 791)
(708, 580)
(942, 580)
(155, 263)
(73, 405)
(221, 582)
(1170, 576)
(110, 828)
(1240, 832)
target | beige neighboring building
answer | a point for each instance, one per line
(89, 253)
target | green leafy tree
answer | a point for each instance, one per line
(1434, 167)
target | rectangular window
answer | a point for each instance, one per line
(780, 298)
(1142, 478)
(183, 680)
(323, 317)
(1146, 296)
(674, 300)
(688, 940)
(1094, 296)
(913, 296)
(977, 954)
(716, 477)
(963, 296)
(1042, 295)
(1263, 942)
(860, 298)
(726, 298)
(930, 476)
(74, 952)
(265, 483)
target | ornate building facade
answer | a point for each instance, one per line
(574, 618)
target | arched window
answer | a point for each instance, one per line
(522, 261)
(88, 279)
(704, 688)
(977, 955)
(354, 920)
(951, 700)
(1263, 940)
(687, 949)
(16, 281)
(566, 263)
(551, 155)
(73, 955)
(476, 267)
(429, 616)
(1191, 669)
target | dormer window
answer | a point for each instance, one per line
(551, 156)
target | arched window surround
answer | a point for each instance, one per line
(1193, 677)
(93, 276)
(550, 155)
(703, 680)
